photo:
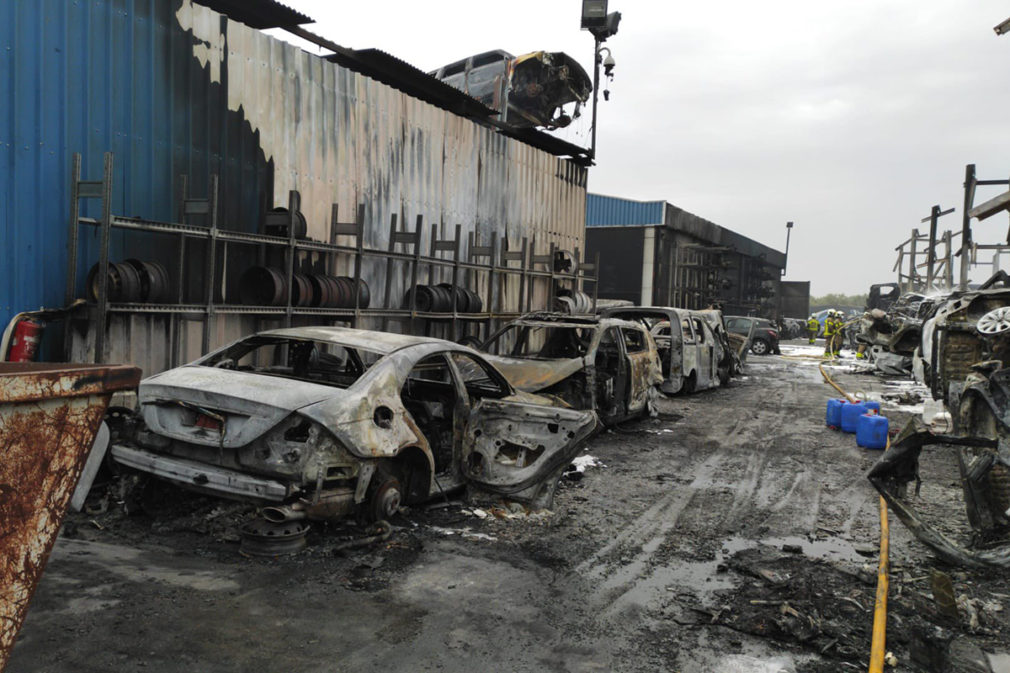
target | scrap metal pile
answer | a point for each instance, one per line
(963, 356)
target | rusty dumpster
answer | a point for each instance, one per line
(49, 414)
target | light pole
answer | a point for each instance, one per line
(785, 263)
(602, 25)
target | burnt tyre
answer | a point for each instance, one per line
(760, 347)
(385, 495)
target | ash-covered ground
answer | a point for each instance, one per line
(733, 532)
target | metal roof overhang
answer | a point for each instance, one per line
(260, 14)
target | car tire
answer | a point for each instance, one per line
(385, 495)
(690, 384)
(760, 347)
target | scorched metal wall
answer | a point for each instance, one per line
(174, 88)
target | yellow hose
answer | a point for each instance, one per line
(878, 642)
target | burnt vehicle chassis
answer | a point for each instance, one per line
(694, 347)
(606, 365)
(968, 341)
(326, 422)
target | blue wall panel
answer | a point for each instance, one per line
(92, 76)
(610, 211)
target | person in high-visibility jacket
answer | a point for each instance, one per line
(829, 334)
(839, 333)
(813, 327)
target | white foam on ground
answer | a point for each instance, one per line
(584, 461)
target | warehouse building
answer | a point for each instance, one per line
(653, 253)
(184, 98)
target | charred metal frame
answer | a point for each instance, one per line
(497, 260)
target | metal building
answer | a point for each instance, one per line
(175, 89)
(656, 254)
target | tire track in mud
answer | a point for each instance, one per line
(631, 563)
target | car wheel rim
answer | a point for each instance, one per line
(388, 501)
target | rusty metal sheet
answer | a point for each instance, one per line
(49, 414)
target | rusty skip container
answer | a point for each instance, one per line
(49, 414)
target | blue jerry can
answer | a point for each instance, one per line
(833, 415)
(850, 416)
(872, 431)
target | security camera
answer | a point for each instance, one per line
(1002, 28)
(608, 64)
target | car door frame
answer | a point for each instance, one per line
(559, 431)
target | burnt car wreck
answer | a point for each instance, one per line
(325, 422)
(606, 365)
(529, 90)
(694, 346)
(964, 358)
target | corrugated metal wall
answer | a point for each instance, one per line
(173, 88)
(610, 211)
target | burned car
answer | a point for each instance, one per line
(529, 90)
(322, 422)
(694, 349)
(964, 358)
(603, 364)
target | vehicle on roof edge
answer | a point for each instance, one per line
(528, 90)
(603, 364)
(323, 422)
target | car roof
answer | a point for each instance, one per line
(369, 340)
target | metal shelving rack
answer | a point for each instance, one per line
(498, 266)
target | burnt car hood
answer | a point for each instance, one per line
(250, 403)
(531, 375)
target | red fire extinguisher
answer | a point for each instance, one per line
(25, 344)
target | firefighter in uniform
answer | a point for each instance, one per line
(839, 333)
(813, 327)
(830, 334)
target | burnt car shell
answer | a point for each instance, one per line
(536, 85)
(349, 419)
(693, 346)
(604, 364)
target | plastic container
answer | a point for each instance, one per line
(850, 416)
(871, 432)
(833, 415)
(871, 405)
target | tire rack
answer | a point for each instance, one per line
(497, 263)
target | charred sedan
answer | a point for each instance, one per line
(603, 364)
(322, 422)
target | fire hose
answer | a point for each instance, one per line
(878, 642)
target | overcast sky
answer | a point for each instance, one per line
(850, 118)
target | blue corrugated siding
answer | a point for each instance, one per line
(98, 75)
(610, 211)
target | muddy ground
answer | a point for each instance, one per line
(733, 532)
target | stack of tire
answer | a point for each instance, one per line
(268, 286)
(573, 301)
(442, 298)
(131, 281)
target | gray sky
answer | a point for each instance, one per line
(850, 118)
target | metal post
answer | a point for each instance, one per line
(969, 200)
(785, 262)
(934, 215)
(103, 260)
(596, 93)
(948, 269)
(911, 264)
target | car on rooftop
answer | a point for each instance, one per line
(602, 364)
(325, 422)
